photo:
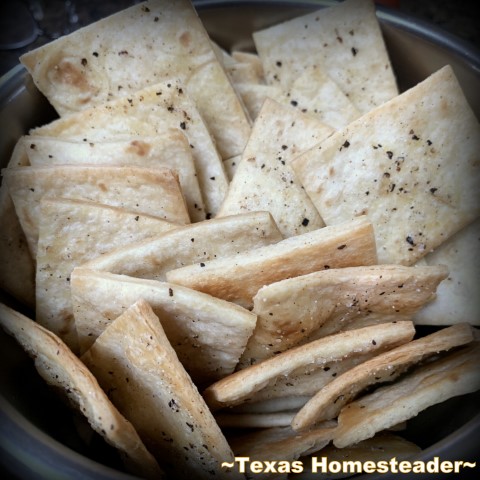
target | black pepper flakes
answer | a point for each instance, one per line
(341, 247)
(183, 125)
(389, 154)
(84, 62)
(433, 190)
(202, 264)
(95, 54)
(278, 63)
(294, 103)
(305, 222)
(170, 292)
(410, 240)
(354, 51)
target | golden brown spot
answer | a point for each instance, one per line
(102, 187)
(137, 147)
(185, 39)
(68, 73)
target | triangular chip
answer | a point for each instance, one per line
(207, 333)
(264, 179)
(169, 149)
(238, 278)
(457, 297)
(134, 361)
(70, 233)
(295, 310)
(255, 94)
(148, 191)
(151, 112)
(437, 381)
(197, 242)
(344, 41)
(60, 368)
(386, 367)
(147, 43)
(405, 165)
(241, 385)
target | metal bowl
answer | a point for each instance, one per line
(38, 436)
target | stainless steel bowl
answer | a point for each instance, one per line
(38, 437)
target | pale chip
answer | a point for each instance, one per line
(254, 420)
(406, 164)
(207, 333)
(238, 278)
(198, 242)
(60, 368)
(134, 361)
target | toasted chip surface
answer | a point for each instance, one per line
(238, 278)
(153, 192)
(264, 179)
(239, 386)
(207, 333)
(386, 367)
(292, 311)
(72, 232)
(134, 361)
(198, 242)
(435, 382)
(147, 43)
(406, 164)
(344, 40)
(59, 367)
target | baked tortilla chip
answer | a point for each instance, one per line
(169, 149)
(437, 381)
(300, 309)
(72, 232)
(148, 191)
(457, 298)
(255, 94)
(406, 164)
(264, 179)
(150, 112)
(60, 368)
(207, 333)
(241, 385)
(145, 44)
(135, 363)
(254, 420)
(198, 242)
(238, 278)
(344, 41)
(386, 367)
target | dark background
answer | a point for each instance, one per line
(26, 24)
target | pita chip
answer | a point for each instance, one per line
(17, 275)
(406, 164)
(70, 233)
(145, 44)
(299, 309)
(60, 368)
(199, 242)
(207, 333)
(453, 375)
(241, 385)
(141, 190)
(151, 112)
(344, 41)
(170, 149)
(457, 297)
(386, 367)
(238, 278)
(264, 179)
(140, 368)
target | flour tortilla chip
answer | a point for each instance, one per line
(254, 420)
(412, 161)
(231, 165)
(252, 59)
(198, 242)
(345, 41)
(134, 361)
(437, 381)
(386, 367)
(17, 275)
(272, 405)
(457, 297)
(255, 94)
(60, 368)
(241, 385)
(150, 112)
(238, 278)
(264, 179)
(382, 447)
(208, 334)
(169, 149)
(132, 49)
(72, 232)
(148, 191)
(299, 309)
